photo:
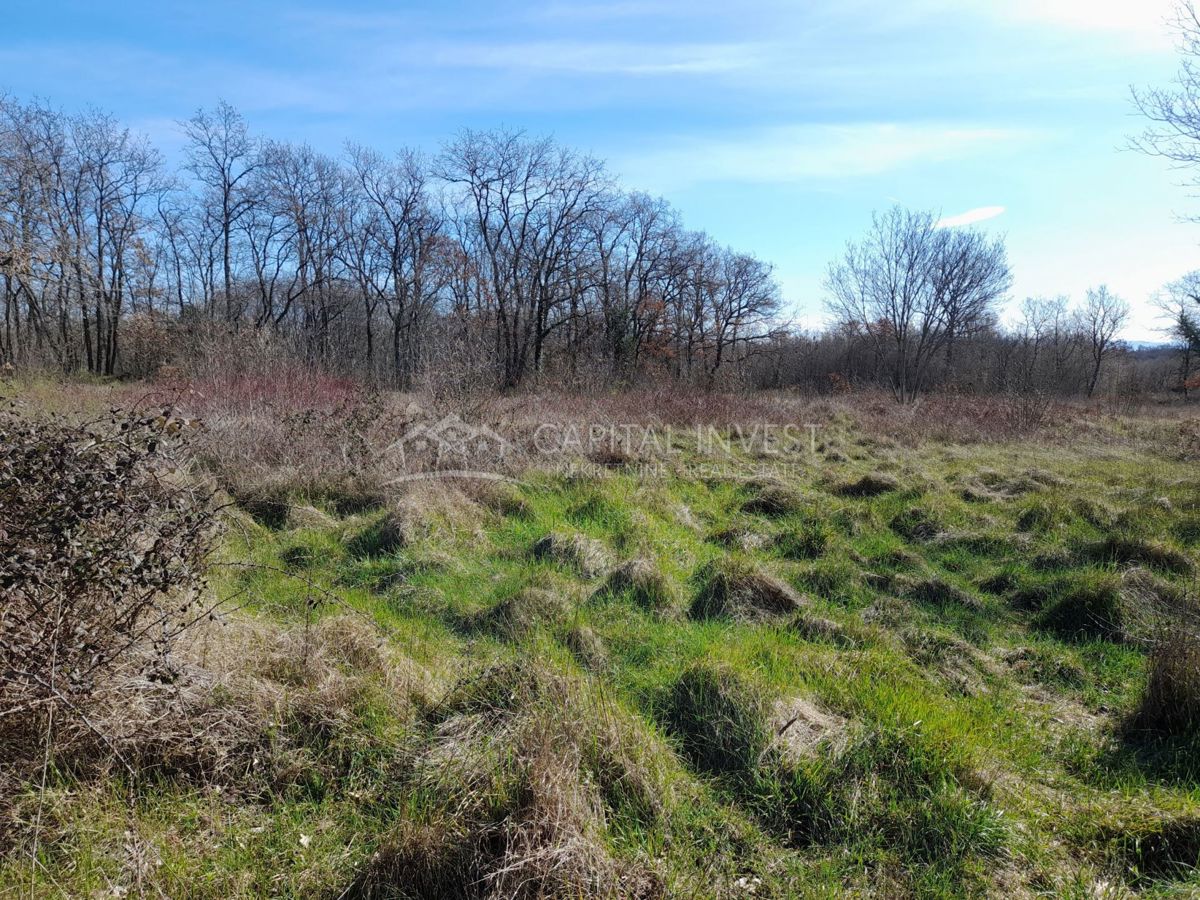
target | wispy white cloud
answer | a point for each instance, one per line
(598, 57)
(970, 217)
(808, 152)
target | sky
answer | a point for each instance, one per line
(777, 126)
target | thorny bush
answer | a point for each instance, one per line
(103, 546)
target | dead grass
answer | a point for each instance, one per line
(518, 616)
(524, 792)
(1171, 701)
(803, 728)
(815, 628)
(772, 499)
(585, 555)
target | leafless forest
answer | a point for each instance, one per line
(504, 260)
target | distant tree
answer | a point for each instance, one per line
(524, 207)
(1180, 302)
(223, 156)
(913, 289)
(1100, 320)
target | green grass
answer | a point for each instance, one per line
(971, 634)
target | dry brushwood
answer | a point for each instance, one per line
(102, 556)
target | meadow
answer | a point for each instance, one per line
(938, 651)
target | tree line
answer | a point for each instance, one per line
(500, 260)
(516, 253)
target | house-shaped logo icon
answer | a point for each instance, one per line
(449, 439)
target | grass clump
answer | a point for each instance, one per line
(500, 497)
(1126, 550)
(1158, 849)
(821, 630)
(1170, 704)
(893, 796)
(389, 534)
(735, 588)
(809, 541)
(771, 499)
(917, 524)
(719, 719)
(870, 485)
(1089, 606)
(937, 591)
(588, 648)
(586, 556)
(268, 504)
(645, 584)
(517, 781)
(518, 616)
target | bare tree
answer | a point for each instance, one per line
(969, 274)
(222, 156)
(406, 239)
(1100, 320)
(524, 206)
(1173, 132)
(911, 289)
(1180, 303)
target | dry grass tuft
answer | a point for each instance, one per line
(772, 499)
(427, 509)
(735, 588)
(500, 497)
(918, 524)
(527, 770)
(1171, 702)
(1139, 551)
(518, 616)
(241, 705)
(821, 630)
(802, 728)
(740, 538)
(939, 592)
(963, 667)
(588, 648)
(585, 555)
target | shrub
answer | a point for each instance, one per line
(102, 557)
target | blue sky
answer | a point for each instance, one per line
(776, 125)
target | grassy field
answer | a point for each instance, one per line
(864, 667)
